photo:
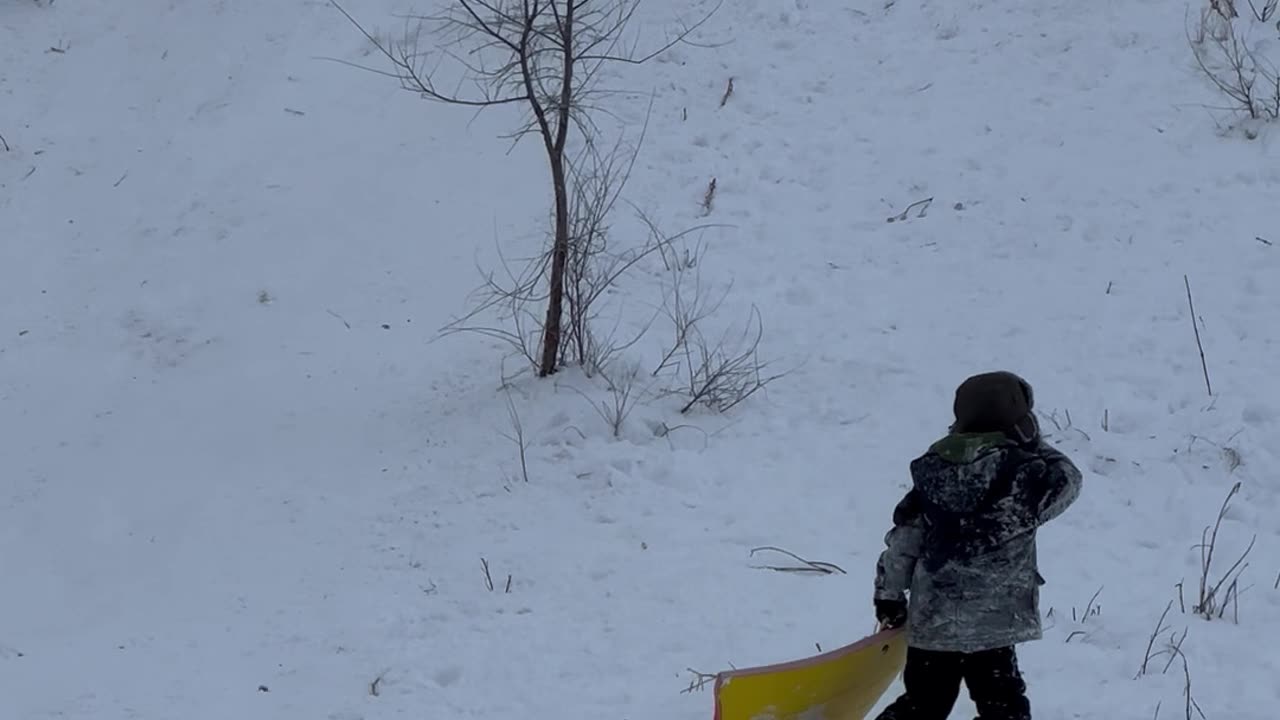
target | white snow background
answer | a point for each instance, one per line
(240, 478)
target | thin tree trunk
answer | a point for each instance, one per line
(551, 329)
(560, 250)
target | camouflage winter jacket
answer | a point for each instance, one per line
(963, 542)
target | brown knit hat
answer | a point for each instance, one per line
(996, 402)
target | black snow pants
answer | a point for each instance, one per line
(932, 683)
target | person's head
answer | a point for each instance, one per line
(996, 402)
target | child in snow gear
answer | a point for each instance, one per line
(963, 547)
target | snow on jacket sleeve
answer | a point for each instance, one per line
(903, 545)
(1061, 483)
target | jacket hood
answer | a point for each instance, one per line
(957, 473)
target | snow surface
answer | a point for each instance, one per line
(220, 503)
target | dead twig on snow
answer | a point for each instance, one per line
(699, 681)
(1151, 642)
(488, 579)
(902, 216)
(709, 197)
(815, 566)
(728, 92)
(1195, 325)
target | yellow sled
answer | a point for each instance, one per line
(843, 684)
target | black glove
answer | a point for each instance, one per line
(891, 613)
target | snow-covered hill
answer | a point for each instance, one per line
(238, 478)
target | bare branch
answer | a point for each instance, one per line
(1266, 11)
(408, 68)
(488, 578)
(1224, 8)
(709, 197)
(511, 300)
(1234, 67)
(1190, 704)
(817, 566)
(517, 437)
(1160, 627)
(1208, 603)
(685, 307)
(723, 375)
(623, 396)
(680, 38)
(728, 93)
(1195, 324)
(593, 269)
(698, 681)
(1090, 608)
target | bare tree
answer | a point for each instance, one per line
(593, 269)
(544, 56)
